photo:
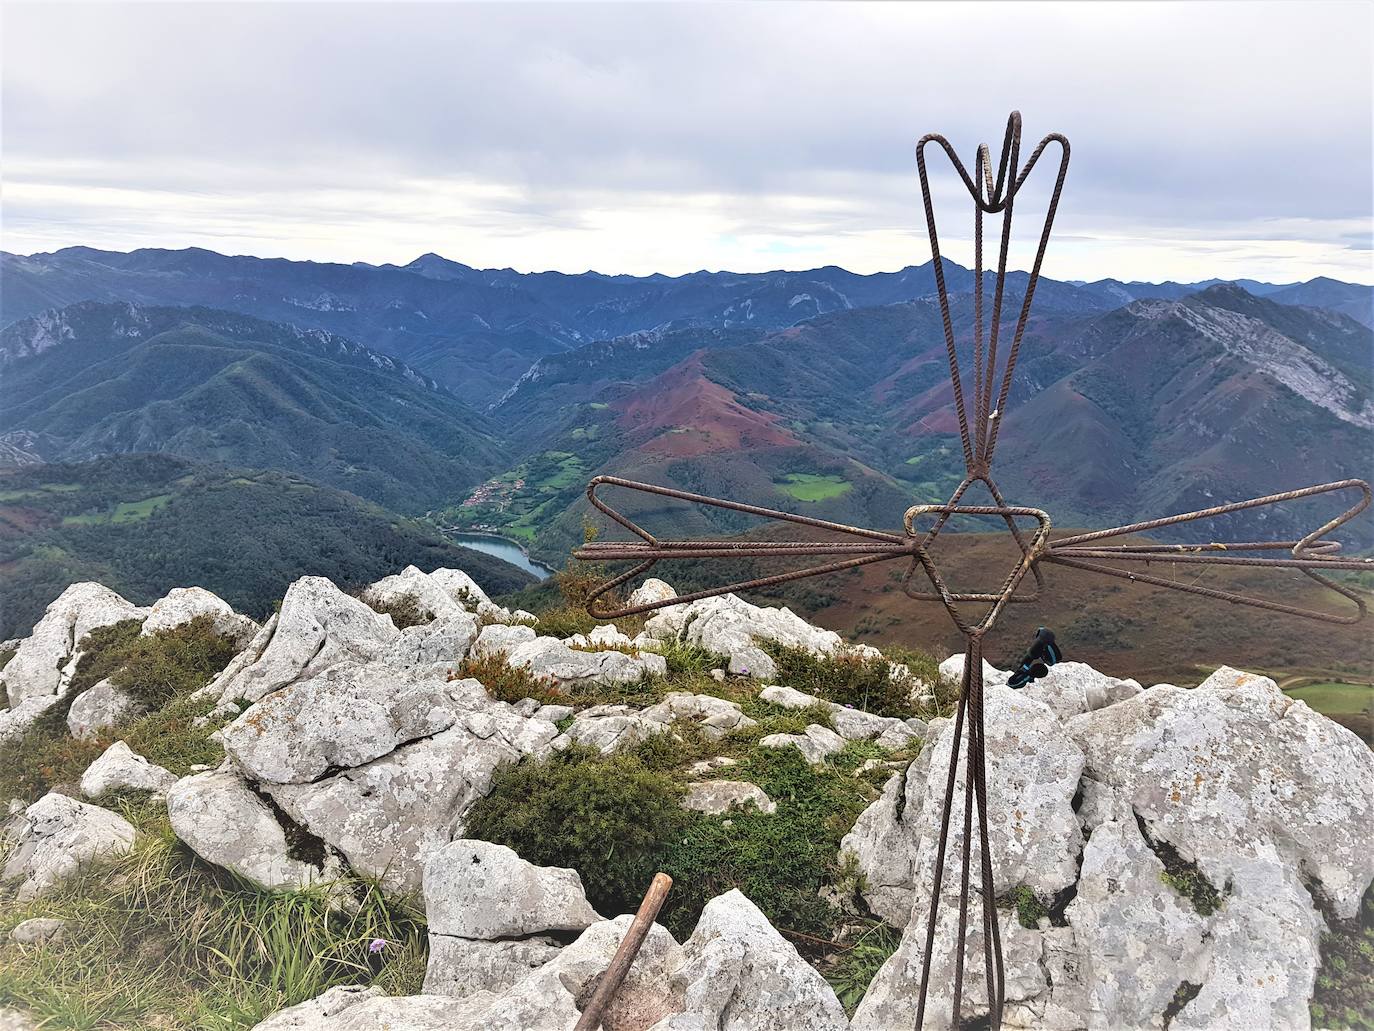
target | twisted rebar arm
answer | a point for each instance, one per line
(1081, 551)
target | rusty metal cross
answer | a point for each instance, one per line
(978, 437)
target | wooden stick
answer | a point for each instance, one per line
(625, 955)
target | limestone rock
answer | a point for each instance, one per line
(850, 723)
(38, 668)
(1233, 767)
(554, 713)
(549, 996)
(891, 999)
(37, 930)
(318, 626)
(739, 974)
(343, 717)
(104, 705)
(730, 626)
(1265, 948)
(650, 591)
(58, 836)
(119, 768)
(477, 889)
(705, 766)
(718, 796)
(442, 642)
(880, 845)
(1033, 772)
(815, 744)
(499, 639)
(1073, 688)
(952, 671)
(389, 815)
(716, 716)
(550, 659)
(224, 822)
(417, 587)
(609, 727)
(459, 967)
(15, 721)
(1138, 939)
(354, 1008)
(609, 636)
(182, 604)
(789, 697)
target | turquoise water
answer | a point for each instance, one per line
(505, 550)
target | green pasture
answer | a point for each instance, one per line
(814, 487)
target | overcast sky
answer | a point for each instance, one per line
(1229, 140)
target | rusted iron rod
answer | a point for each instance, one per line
(1212, 559)
(625, 955)
(1238, 506)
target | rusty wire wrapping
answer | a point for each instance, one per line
(978, 439)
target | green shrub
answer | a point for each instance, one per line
(404, 611)
(609, 817)
(1030, 908)
(865, 683)
(1344, 993)
(780, 861)
(778, 719)
(507, 683)
(174, 662)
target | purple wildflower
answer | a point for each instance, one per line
(377, 945)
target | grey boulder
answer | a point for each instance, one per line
(720, 796)
(739, 974)
(480, 890)
(42, 665)
(226, 823)
(101, 707)
(121, 768)
(57, 837)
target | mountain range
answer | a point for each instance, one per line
(477, 330)
(485, 399)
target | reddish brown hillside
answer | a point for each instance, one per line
(691, 416)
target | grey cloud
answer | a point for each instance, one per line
(1180, 114)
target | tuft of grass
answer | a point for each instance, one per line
(6, 654)
(162, 671)
(863, 682)
(855, 969)
(690, 660)
(169, 942)
(507, 683)
(45, 756)
(777, 719)
(103, 651)
(564, 621)
(171, 738)
(404, 611)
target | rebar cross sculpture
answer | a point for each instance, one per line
(978, 436)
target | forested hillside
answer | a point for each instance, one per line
(145, 523)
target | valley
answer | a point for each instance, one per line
(1132, 400)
